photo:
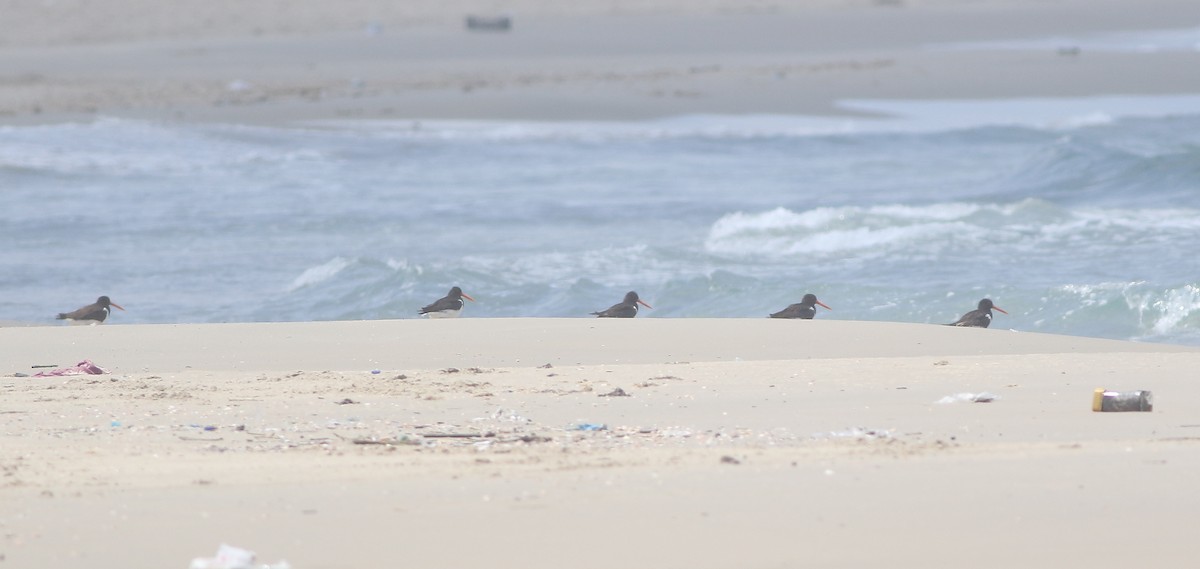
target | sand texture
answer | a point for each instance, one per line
(720, 443)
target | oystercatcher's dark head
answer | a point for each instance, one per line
(986, 305)
(105, 302)
(632, 297)
(811, 299)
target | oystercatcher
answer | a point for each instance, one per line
(804, 310)
(95, 312)
(449, 306)
(980, 317)
(627, 308)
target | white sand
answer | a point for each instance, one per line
(838, 454)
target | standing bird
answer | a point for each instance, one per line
(804, 310)
(449, 306)
(627, 308)
(980, 317)
(95, 312)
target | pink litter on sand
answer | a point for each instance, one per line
(85, 367)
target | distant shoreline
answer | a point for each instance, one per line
(563, 65)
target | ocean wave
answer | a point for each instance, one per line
(1041, 113)
(618, 266)
(1136, 310)
(122, 147)
(319, 274)
(944, 228)
(853, 229)
(865, 117)
(1112, 170)
(1163, 312)
(726, 127)
(1128, 41)
(345, 288)
(703, 216)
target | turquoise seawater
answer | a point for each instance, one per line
(1077, 216)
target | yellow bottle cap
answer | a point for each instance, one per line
(1097, 399)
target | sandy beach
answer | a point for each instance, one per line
(736, 443)
(576, 442)
(278, 62)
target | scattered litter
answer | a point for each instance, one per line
(856, 433)
(458, 435)
(450, 370)
(394, 441)
(545, 366)
(85, 367)
(729, 460)
(941, 363)
(1104, 400)
(230, 557)
(982, 397)
(346, 401)
(43, 365)
(404, 440)
(534, 439)
(376, 371)
(618, 392)
(591, 427)
(204, 439)
(509, 415)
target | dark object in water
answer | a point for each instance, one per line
(489, 23)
